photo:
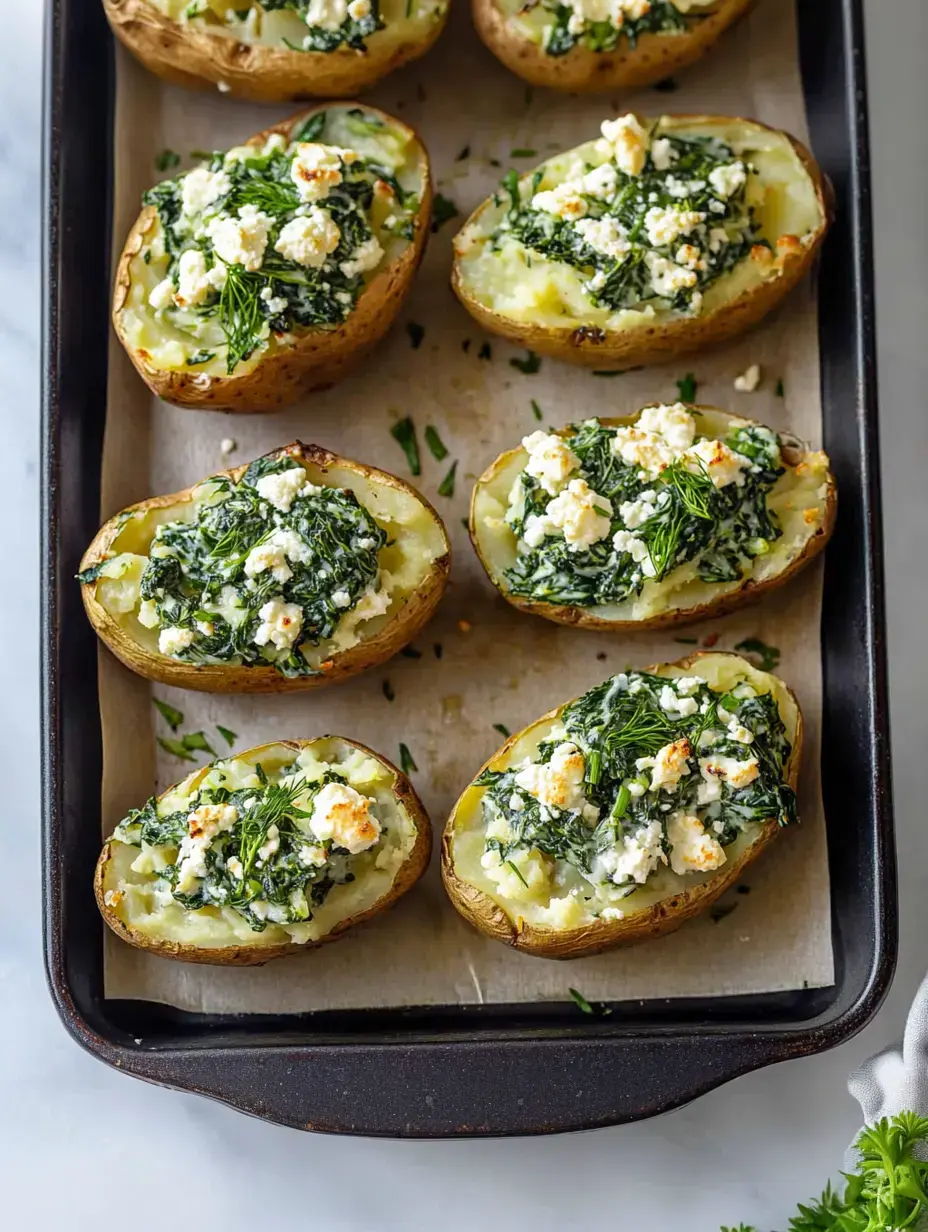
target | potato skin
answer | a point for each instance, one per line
(583, 618)
(665, 916)
(215, 678)
(256, 955)
(581, 70)
(318, 358)
(198, 60)
(672, 339)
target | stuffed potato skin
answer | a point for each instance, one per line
(665, 337)
(818, 522)
(664, 916)
(400, 629)
(313, 359)
(256, 953)
(582, 70)
(197, 59)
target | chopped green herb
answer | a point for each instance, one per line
(388, 691)
(720, 911)
(446, 487)
(166, 160)
(438, 649)
(410, 652)
(443, 210)
(465, 523)
(197, 742)
(512, 868)
(435, 443)
(667, 86)
(407, 762)
(529, 365)
(200, 357)
(780, 391)
(175, 748)
(687, 387)
(404, 433)
(227, 734)
(502, 729)
(416, 334)
(580, 1001)
(172, 717)
(146, 256)
(610, 371)
(485, 352)
(529, 95)
(687, 641)
(494, 162)
(743, 889)
(465, 153)
(536, 410)
(768, 656)
(527, 153)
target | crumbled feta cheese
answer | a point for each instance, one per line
(718, 239)
(637, 549)
(636, 857)
(327, 14)
(148, 614)
(270, 845)
(275, 303)
(359, 9)
(227, 445)
(601, 181)
(281, 488)
(550, 461)
(194, 280)
(723, 464)
(605, 235)
(201, 187)
(689, 256)
(341, 598)
(666, 225)
(581, 513)
(635, 513)
(280, 624)
(749, 380)
(737, 773)
(740, 733)
(172, 641)
(663, 155)
(223, 87)
(692, 850)
(674, 423)
(317, 169)
(163, 295)
(628, 141)
(309, 239)
(364, 258)
(311, 856)
(234, 867)
(667, 278)
(563, 201)
(203, 824)
(557, 783)
(243, 240)
(677, 707)
(727, 179)
(343, 815)
(670, 765)
(611, 913)
(687, 685)
(273, 553)
(646, 450)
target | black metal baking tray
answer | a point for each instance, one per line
(460, 1070)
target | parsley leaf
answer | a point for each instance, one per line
(435, 443)
(172, 717)
(229, 736)
(166, 159)
(416, 334)
(529, 365)
(443, 210)
(407, 762)
(768, 656)
(404, 433)
(446, 487)
(687, 387)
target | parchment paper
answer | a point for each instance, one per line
(507, 668)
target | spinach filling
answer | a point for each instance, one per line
(662, 17)
(250, 304)
(350, 33)
(208, 579)
(721, 529)
(638, 271)
(620, 727)
(267, 865)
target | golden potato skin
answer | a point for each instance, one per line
(256, 955)
(318, 358)
(216, 678)
(581, 70)
(663, 917)
(664, 341)
(199, 60)
(583, 618)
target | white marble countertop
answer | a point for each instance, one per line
(748, 1152)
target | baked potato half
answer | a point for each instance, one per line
(274, 51)
(670, 515)
(660, 238)
(621, 815)
(591, 45)
(264, 853)
(297, 570)
(272, 268)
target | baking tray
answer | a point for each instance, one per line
(460, 1070)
